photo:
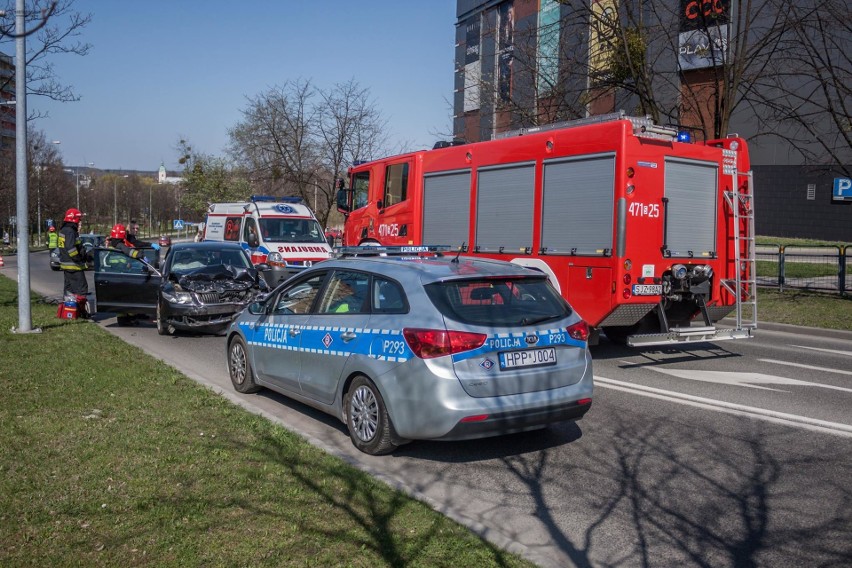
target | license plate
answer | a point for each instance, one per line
(528, 358)
(647, 289)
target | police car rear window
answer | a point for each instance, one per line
(498, 302)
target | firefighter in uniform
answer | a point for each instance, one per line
(118, 240)
(72, 262)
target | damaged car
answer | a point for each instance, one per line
(201, 287)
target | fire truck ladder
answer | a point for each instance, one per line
(744, 286)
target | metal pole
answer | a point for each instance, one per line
(114, 201)
(150, 212)
(78, 186)
(25, 322)
(38, 207)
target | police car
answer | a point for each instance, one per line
(402, 345)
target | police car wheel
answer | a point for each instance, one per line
(239, 367)
(162, 327)
(367, 418)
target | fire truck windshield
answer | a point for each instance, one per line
(291, 231)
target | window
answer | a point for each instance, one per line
(298, 298)
(250, 228)
(232, 228)
(396, 184)
(346, 294)
(388, 297)
(116, 262)
(360, 189)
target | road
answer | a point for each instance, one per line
(730, 454)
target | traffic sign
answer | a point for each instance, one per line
(178, 224)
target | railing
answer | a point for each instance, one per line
(819, 268)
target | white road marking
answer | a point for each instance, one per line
(835, 428)
(811, 367)
(836, 351)
(749, 380)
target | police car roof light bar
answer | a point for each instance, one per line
(392, 251)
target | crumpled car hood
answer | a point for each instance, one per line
(217, 278)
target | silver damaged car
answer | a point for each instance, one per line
(405, 347)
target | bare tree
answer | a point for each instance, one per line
(207, 179)
(296, 139)
(56, 29)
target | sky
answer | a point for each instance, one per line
(164, 70)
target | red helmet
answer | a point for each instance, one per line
(52, 229)
(118, 232)
(73, 215)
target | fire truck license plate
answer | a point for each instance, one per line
(647, 289)
(528, 358)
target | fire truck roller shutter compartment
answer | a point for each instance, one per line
(691, 188)
(577, 212)
(446, 208)
(504, 210)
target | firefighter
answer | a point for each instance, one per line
(52, 238)
(118, 240)
(72, 262)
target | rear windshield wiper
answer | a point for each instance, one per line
(533, 321)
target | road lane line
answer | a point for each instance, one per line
(835, 351)
(811, 367)
(835, 428)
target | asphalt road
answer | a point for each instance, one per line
(730, 454)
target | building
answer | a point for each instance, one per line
(522, 63)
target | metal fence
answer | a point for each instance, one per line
(818, 268)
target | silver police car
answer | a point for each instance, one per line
(403, 346)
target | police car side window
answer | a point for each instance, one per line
(346, 293)
(298, 298)
(388, 297)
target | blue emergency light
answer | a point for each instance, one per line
(273, 199)
(683, 136)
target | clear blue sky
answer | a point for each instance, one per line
(162, 70)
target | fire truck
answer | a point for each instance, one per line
(648, 236)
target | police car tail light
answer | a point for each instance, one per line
(431, 343)
(579, 331)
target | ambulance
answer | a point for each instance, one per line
(281, 232)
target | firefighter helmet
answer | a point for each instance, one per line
(73, 215)
(118, 232)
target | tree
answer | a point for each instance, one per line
(297, 139)
(207, 179)
(58, 27)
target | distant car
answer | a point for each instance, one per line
(401, 348)
(90, 242)
(165, 241)
(202, 286)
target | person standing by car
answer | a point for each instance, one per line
(52, 238)
(132, 240)
(72, 262)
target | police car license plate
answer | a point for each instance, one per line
(647, 289)
(528, 358)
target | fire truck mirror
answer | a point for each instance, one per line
(343, 200)
(380, 204)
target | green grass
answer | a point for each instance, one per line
(112, 458)
(768, 268)
(785, 241)
(798, 307)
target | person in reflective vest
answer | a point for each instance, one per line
(52, 238)
(72, 262)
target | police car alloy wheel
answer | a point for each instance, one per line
(239, 368)
(367, 418)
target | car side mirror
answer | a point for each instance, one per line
(253, 241)
(380, 204)
(257, 308)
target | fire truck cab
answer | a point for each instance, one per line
(279, 231)
(648, 236)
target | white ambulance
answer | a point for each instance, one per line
(279, 231)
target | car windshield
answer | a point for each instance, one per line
(188, 260)
(498, 302)
(288, 230)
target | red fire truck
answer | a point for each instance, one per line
(648, 236)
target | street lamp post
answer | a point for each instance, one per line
(115, 199)
(38, 193)
(78, 183)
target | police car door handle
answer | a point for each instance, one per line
(348, 335)
(294, 332)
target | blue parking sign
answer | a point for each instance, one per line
(842, 189)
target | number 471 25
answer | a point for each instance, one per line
(651, 210)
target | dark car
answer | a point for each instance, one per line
(202, 286)
(90, 242)
(165, 241)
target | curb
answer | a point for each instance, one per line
(797, 329)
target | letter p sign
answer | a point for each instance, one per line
(842, 189)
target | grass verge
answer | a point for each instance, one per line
(112, 458)
(798, 307)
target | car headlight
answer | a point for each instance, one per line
(178, 297)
